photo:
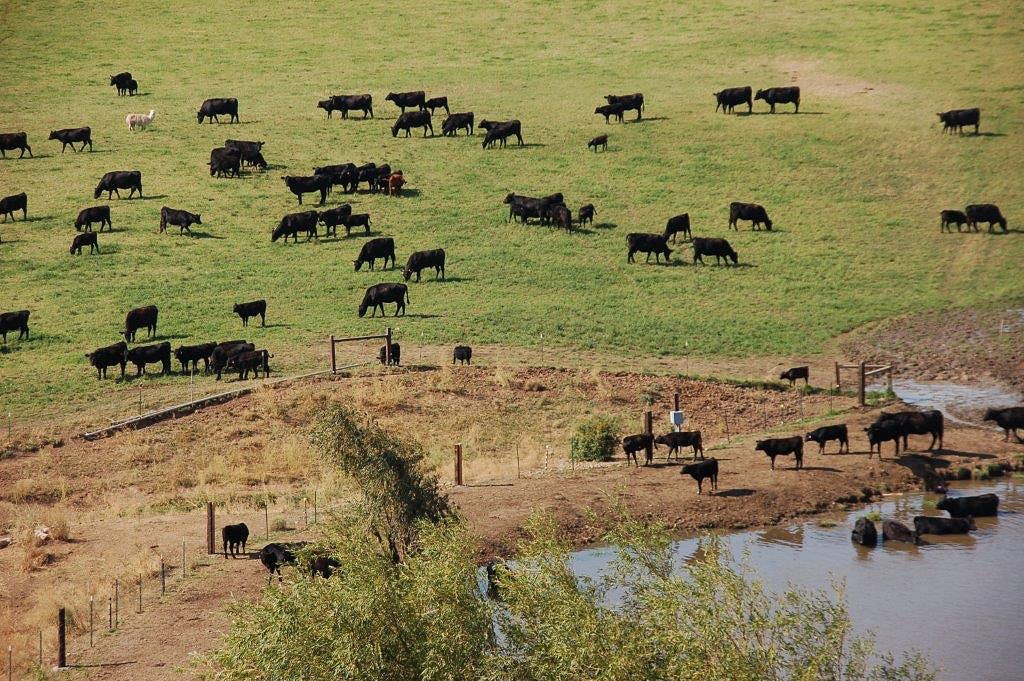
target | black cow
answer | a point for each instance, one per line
(795, 373)
(299, 185)
(16, 202)
(323, 566)
(234, 536)
(1009, 419)
(829, 433)
(192, 354)
(119, 179)
(894, 530)
(332, 217)
(396, 355)
(212, 108)
(132, 87)
(293, 223)
(421, 260)
(142, 355)
(82, 240)
(977, 506)
(959, 119)
(256, 308)
(526, 207)
(14, 321)
(780, 95)
(87, 216)
(627, 102)
(647, 243)
(121, 81)
(586, 214)
(437, 103)
(599, 142)
(14, 140)
(140, 318)
(417, 98)
(699, 471)
(719, 248)
(677, 224)
(379, 294)
(110, 356)
(749, 211)
(883, 431)
(783, 446)
(225, 161)
(560, 215)
(345, 174)
(985, 212)
(357, 220)
(931, 525)
(501, 131)
(917, 423)
(730, 97)
(609, 110)
(864, 532)
(346, 103)
(278, 554)
(948, 218)
(70, 136)
(382, 247)
(182, 219)
(371, 175)
(675, 440)
(252, 152)
(463, 354)
(413, 119)
(224, 354)
(457, 121)
(254, 361)
(631, 444)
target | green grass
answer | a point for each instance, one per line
(854, 186)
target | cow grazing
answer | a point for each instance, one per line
(346, 103)
(586, 214)
(627, 102)
(609, 110)
(150, 354)
(182, 219)
(395, 355)
(71, 136)
(437, 103)
(463, 354)
(137, 121)
(917, 423)
(193, 354)
(332, 217)
(719, 248)
(116, 180)
(959, 119)
(753, 212)
(894, 530)
(880, 432)
(560, 215)
(212, 108)
(224, 354)
(783, 446)
(254, 361)
(357, 220)
(421, 260)
(457, 121)
(676, 440)
(647, 243)
(978, 506)
(501, 131)
(15, 202)
(413, 119)
(780, 95)
(225, 162)
(251, 152)
(293, 223)
(87, 216)
(701, 470)
(14, 140)
(631, 444)
(1009, 419)
(257, 308)
(380, 294)
(525, 207)
(948, 218)
(299, 185)
(14, 321)
(829, 433)
(382, 247)
(276, 555)
(395, 182)
(930, 525)
(82, 240)
(985, 212)
(864, 532)
(795, 373)
(140, 318)
(234, 537)
(122, 82)
(731, 97)
(599, 142)
(110, 356)
(324, 566)
(417, 98)
(344, 174)
(677, 224)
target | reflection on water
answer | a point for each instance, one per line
(959, 403)
(957, 598)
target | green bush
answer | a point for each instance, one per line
(981, 474)
(595, 439)
(994, 470)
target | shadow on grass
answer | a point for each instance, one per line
(604, 225)
(151, 197)
(422, 316)
(204, 235)
(651, 119)
(32, 218)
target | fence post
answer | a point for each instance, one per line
(387, 347)
(117, 603)
(110, 615)
(62, 652)
(839, 383)
(314, 507)
(518, 474)
(862, 389)
(140, 594)
(458, 464)
(649, 430)
(10, 668)
(209, 527)
(266, 516)
(334, 359)
(90, 621)
(183, 560)
(163, 579)
(888, 381)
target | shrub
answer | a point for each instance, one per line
(961, 473)
(595, 439)
(981, 474)
(873, 516)
(994, 470)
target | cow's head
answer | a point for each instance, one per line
(392, 97)
(394, 130)
(990, 415)
(358, 264)
(99, 190)
(735, 258)
(362, 309)
(509, 198)
(761, 94)
(323, 104)
(273, 237)
(198, 218)
(407, 273)
(53, 135)
(113, 80)
(199, 116)
(761, 445)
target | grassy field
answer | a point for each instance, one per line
(854, 183)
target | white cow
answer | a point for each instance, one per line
(139, 121)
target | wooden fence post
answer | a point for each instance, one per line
(649, 430)
(458, 464)
(90, 621)
(140, 594)
(839, 383)
(862, 388)
(210, 520)
(334, 359)
(62, 652)
(888, 381)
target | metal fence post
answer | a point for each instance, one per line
(649, 430)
